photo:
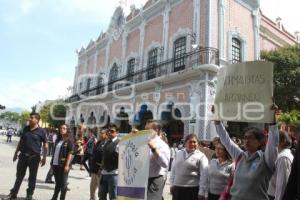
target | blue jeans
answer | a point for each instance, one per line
(108, 184)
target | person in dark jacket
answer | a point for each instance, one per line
(292, 191)
(109, 172)
(29, 146)
(61, 162)
(96, 160)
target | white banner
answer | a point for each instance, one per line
(244, 92)
(133, 166)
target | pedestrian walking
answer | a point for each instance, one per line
(9, 134)
(61, 161)
(51, 141)
(88, 151)
(31, 141)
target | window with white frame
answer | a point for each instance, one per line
(179, 54)
(113, 76)
(130, 70)
(236, 50)
(88, 86)
(152, 63)
(100, 85)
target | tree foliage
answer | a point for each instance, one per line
(53, 113)
(24, 117)
(10, 116)
(290, 118)
(286, 76)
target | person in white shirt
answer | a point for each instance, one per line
(283, 165)
(159, 162)
(173, 154)
(219, 171)
(189, 172)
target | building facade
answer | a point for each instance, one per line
(161, 62)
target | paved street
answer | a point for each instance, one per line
(79, 182)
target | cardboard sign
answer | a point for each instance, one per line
(244, 92)
(134, 158)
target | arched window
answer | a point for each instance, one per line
(113, 76)
(100, 86)
(236, 50)
(88, 86)
(152, 64)
(179, 54)
(130, 70)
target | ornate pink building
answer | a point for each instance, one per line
(164, 58)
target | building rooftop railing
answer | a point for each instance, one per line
(199, 56)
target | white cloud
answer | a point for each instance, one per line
(26, 6)
(27, 94)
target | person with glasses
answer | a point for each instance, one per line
(109, 178)
(30, 144)
(60, 162)
(255, 167)
(96, 163)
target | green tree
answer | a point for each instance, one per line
(53, 113)
(57, 114)
(44, 113)
(10, 116)
(24, 117)
(286, 76)
(290, 118)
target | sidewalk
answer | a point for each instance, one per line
(78, 180)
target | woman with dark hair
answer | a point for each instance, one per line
(220, 168)
(189, 172)
(255, 167)
(61, 162)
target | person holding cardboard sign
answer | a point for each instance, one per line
(255, 167)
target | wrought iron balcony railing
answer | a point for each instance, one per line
(199, 56)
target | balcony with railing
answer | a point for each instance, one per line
(197, 57)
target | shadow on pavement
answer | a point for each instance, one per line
(76, 177)
(4, 195)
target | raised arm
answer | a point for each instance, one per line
(271, 148)
(233, 149)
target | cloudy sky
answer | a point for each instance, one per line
(39, 37)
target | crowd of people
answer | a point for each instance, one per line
(247, 169)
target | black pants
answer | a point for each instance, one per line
(186, 193)
(155, 188)
(61, 179)
(8, 138)
(32, 162)
(87, 157)
(213, 196)
(49, 174)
